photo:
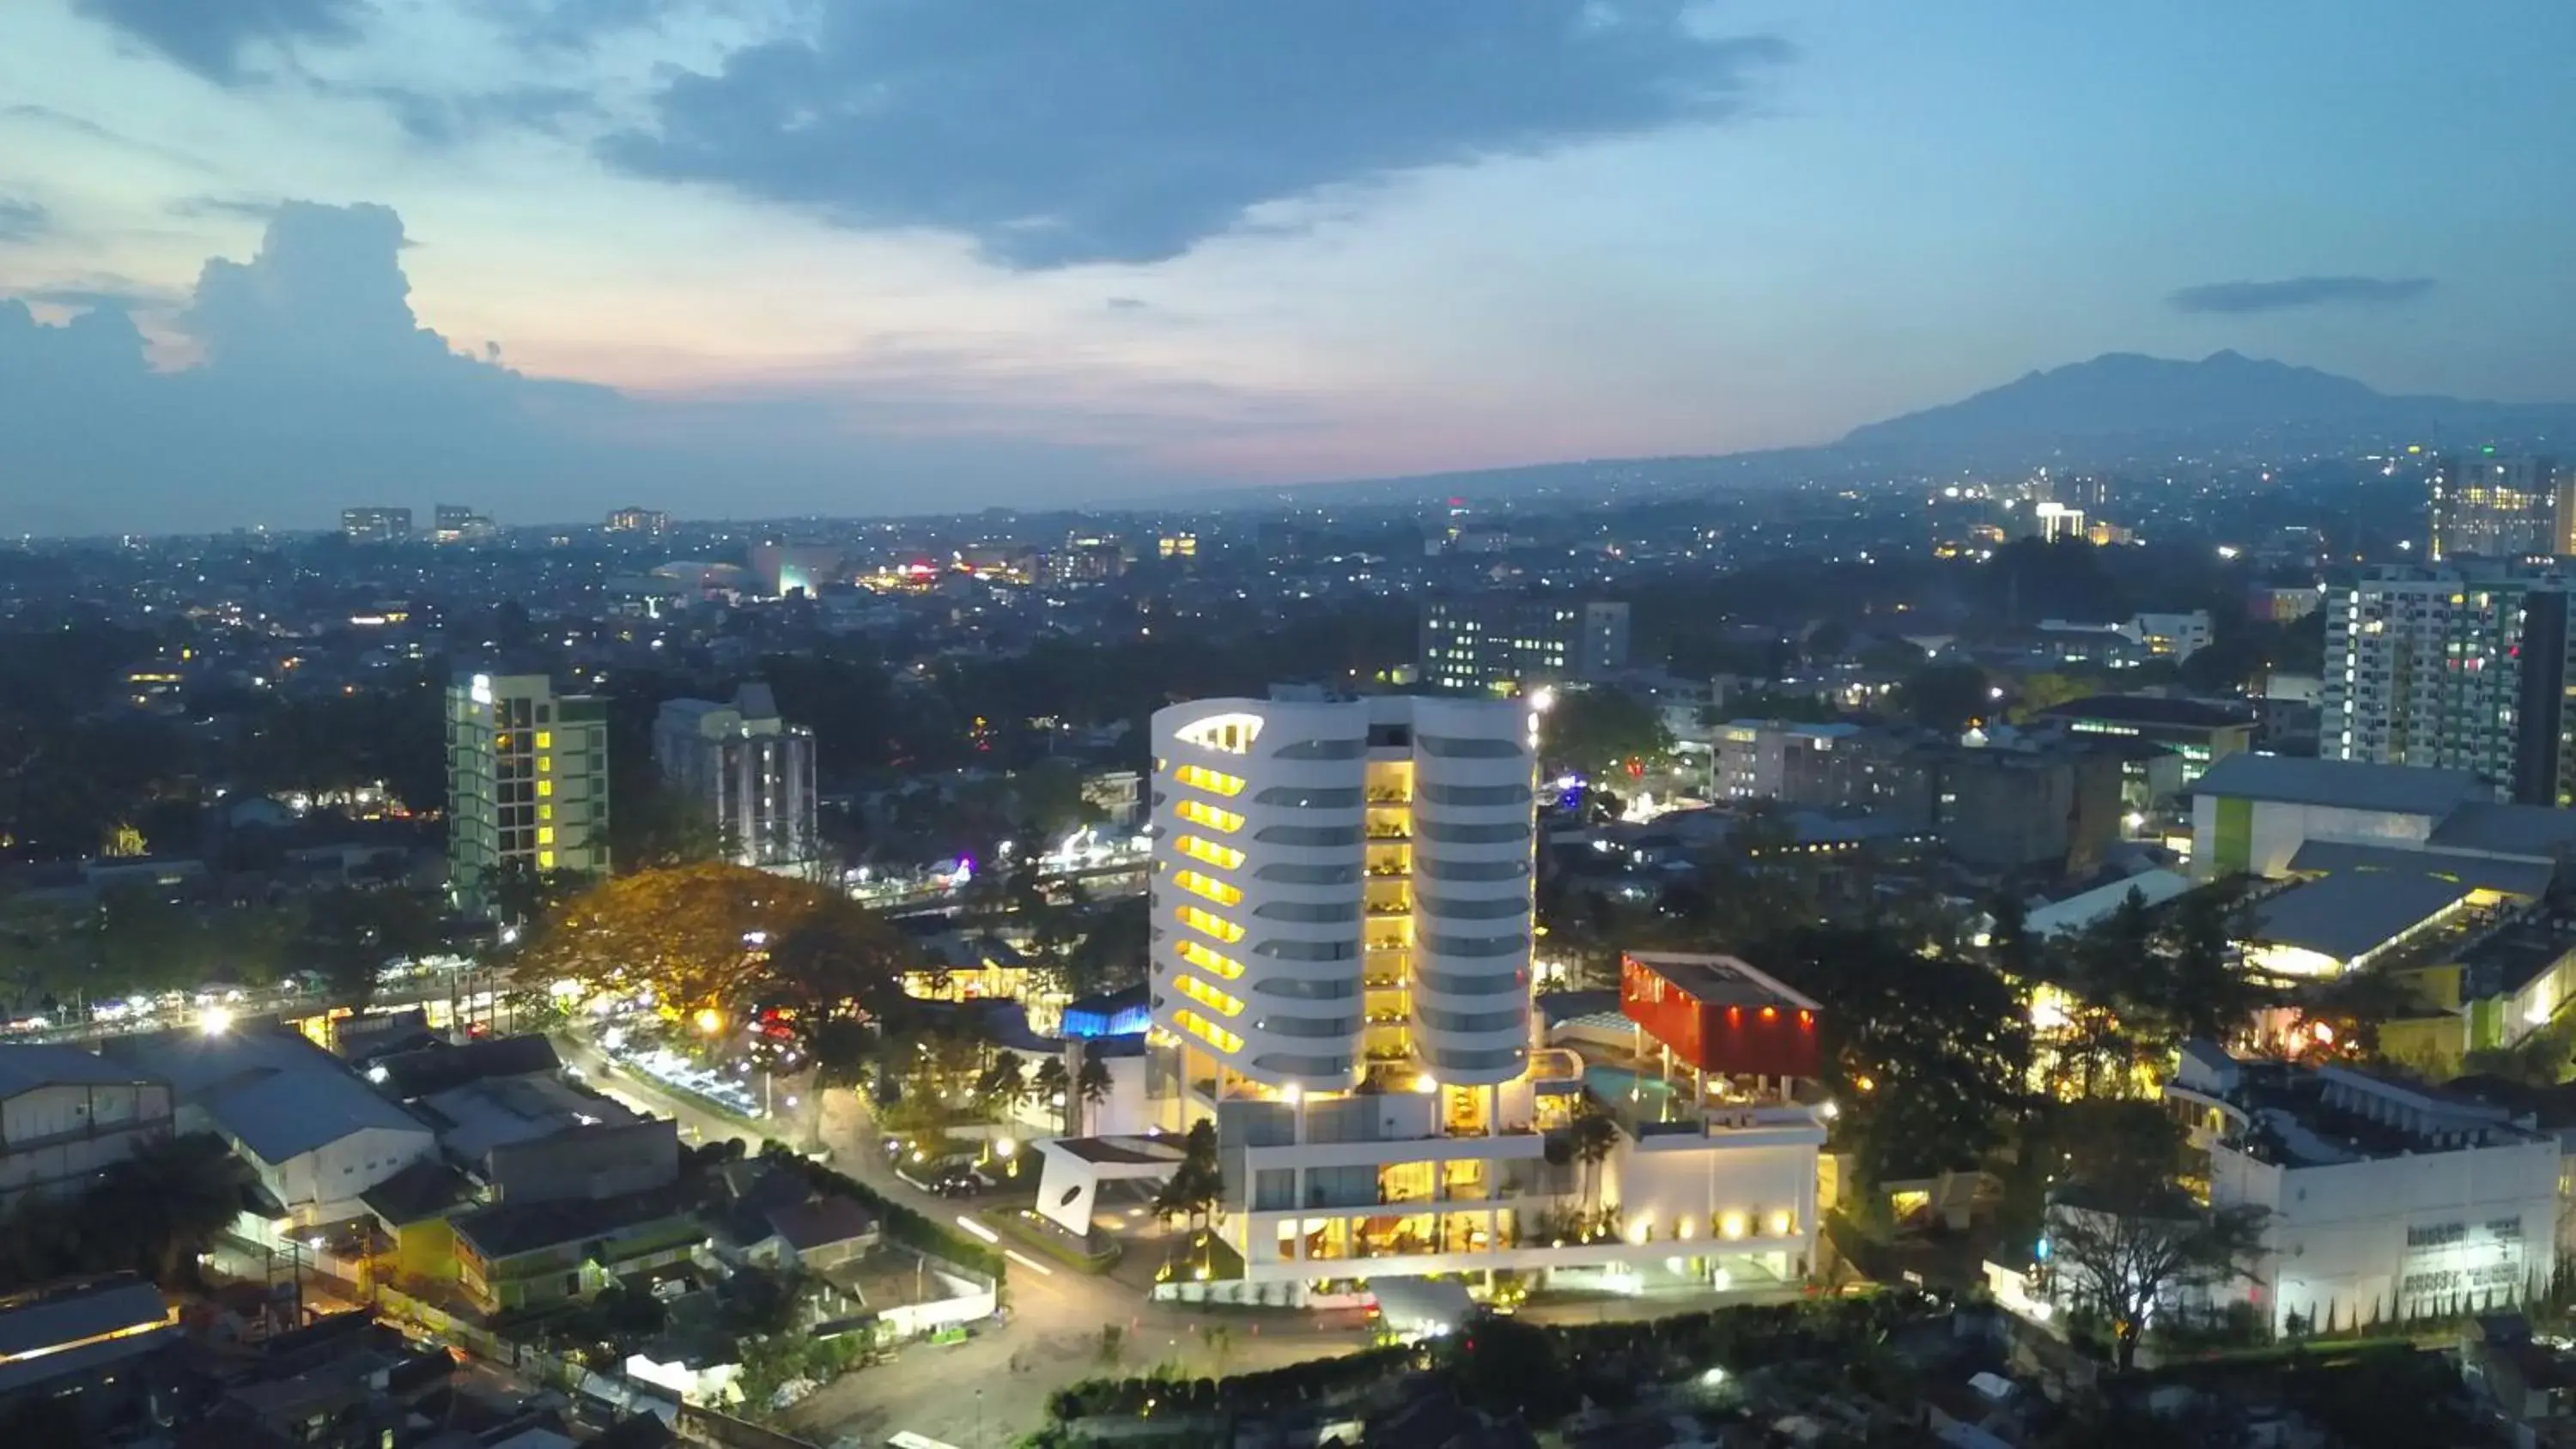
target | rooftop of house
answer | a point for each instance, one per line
(507, 1229)
(267, 1087)
(64, 1330)
(29, 1067)
(475, 1118)
(424, 1190)
(2342, 784)
(821, 1222)
(415, 1074)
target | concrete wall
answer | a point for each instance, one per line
(60, 1138)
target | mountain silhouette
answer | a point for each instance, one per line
(2224, 402)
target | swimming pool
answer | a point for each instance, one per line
(1620, 1086)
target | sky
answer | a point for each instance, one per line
(263, 259)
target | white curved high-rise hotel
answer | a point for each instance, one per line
(1342, 891)
(1340, 980)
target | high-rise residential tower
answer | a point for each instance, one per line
(747, 771)
(2462, 667)
(527, 781)
(2500, 508)
(1497, 643)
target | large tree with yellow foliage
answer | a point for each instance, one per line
(722, 937)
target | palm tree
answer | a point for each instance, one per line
(1594, 1135)
(1052, 1086)
(1092, 1083)
(1197, 1182)
(1005, 1083)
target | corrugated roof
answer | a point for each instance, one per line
(2534, 831)
(2153, 709)
(2076, 912)
(26, 1068)
(268, 1088)
(2351, 914)
(410, 1075)
(2349, 784)
(2483, 872)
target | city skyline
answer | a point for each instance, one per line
(330, 253)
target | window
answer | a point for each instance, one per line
(1206, 995)
(1223, 857)
(545, 739)
(1206, 1030)
(1449, 749)
(1319, 750)
(1450, 983)
(1308, 950)
(1498, 833)
(1210, 923)
(1310, 1027)
(1494, 910)
(1198, 883)
(1215, 782)
(1439, 794)
(1312, 836)
(1464, 870)
(1210, 961)
(1309, 912)
(1335, 990)
(1200, 813)
(1232, 733)
(545, 788)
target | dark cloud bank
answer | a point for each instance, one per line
(317, 388)
(2239, 298)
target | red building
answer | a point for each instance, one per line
(1719, 1015)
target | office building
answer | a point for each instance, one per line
(2384, 1201)
(2200, 731)
(527, 781)
(1815, 766)
(2461, 667)
(1340, 981)
(67, 1116)
(1087, 559)
(375, 525)
(2500, 508)
(639, 520)
(1499, 644)
(748, 772)
(458, 523)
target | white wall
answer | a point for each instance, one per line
(60, 1136)
(324, 1184)
(2338, 1235)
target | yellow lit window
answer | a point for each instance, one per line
(1200, 813)
(1210, 923)
(545, 764)
(1199, 883)
(1223, 857)
(1212, 962)
(545, 860)
(1206, 995)
(1232, 733)
(545, 812)
(545, 739)
(1215, 782)
(545, 835)
(1207, 1031)
(545, 788)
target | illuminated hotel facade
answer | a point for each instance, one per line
(1342, 899)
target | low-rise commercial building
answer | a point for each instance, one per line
(2201, 731)
(2384, 1200)
(2259, 813)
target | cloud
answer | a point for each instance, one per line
(1128, 304)
(436, 120)
(1129, 130)
(315, 386)
(22, 221)
(2237, 298)
(214, 37)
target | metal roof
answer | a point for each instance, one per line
(2536, 831)
(268, 1088)
(27, 1068)
(2481, 872)
(2344, 784)
(2353, 913)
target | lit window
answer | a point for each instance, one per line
(545, 739)
(1206, 995)
(1215, 963)
(1215, 782)
(545, 788)
(1207, 1031)
(545, 860)
(1223, 857)
(1198, 883)
(1200, 813)
(1209, 923)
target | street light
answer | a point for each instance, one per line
(215, 1021)
(710, 1020)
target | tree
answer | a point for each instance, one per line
(1925, 1055)
(1091, 1084)
(1946, 697)
(1592, 1136)
(1005, 1083)
(1111, 954)
(2037, 694)
(1053, 1088)
(352, 933)
(657, 826)
(2126, 1254)
(1197, 1181)
(1601, 731)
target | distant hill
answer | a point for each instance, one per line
(2225, 402)
(2117, 409)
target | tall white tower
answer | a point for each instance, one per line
(1342, 891)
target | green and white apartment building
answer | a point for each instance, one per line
(527, 781)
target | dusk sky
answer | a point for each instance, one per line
(757, 257)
